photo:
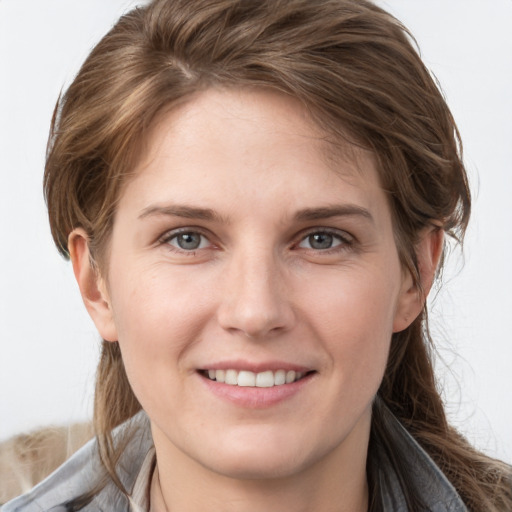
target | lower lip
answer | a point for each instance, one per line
(253, 397)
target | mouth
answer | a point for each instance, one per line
(264, 379)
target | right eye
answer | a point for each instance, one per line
(321, 241)
(187, 241)
(326, 240)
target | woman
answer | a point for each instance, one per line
(254, 197)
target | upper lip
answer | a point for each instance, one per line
(255, 367)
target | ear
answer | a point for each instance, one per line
(92, 286)
(412, 297)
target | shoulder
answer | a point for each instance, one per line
(76, 476)
(82, 474)
(435, 491)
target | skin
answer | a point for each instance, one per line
(257, 290)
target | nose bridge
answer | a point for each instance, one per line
(255, 300)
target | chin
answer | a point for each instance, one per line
(261, 457)
(271, 467)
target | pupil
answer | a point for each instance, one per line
(189, 241)
(320, 241)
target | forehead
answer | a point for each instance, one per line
(226, 140)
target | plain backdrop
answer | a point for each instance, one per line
(48, 345)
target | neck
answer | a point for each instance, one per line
(257, 496)
(336, 483)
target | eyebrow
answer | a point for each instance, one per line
(326, 212)
(187, 212)
(306, 214)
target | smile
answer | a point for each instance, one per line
(244, 378)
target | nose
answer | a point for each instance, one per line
(256, 300)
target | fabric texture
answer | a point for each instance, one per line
(79, 475)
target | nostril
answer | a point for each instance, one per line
(256, 321)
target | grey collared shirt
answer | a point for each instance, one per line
(79, 475)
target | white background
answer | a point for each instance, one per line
(49, 347)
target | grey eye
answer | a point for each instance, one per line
(320, 241)
(187, 241)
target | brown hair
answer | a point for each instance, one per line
(356, 69)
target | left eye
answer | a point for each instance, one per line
(321, 240)
(188, 241)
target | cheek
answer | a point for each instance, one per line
(155, 303)
(158, 317)
(353, 317)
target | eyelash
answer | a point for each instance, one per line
(170, 235)
(346, 241)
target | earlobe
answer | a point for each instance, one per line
(92, 286)
(413, 295)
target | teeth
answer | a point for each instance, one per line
(245, 378)
(279, 378)
(231, 377)
(265, 379)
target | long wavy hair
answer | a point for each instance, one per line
(357, 71)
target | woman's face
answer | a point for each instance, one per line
(242, 251)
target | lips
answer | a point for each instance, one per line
(255, 385)
(246, 378)
(256, 388)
